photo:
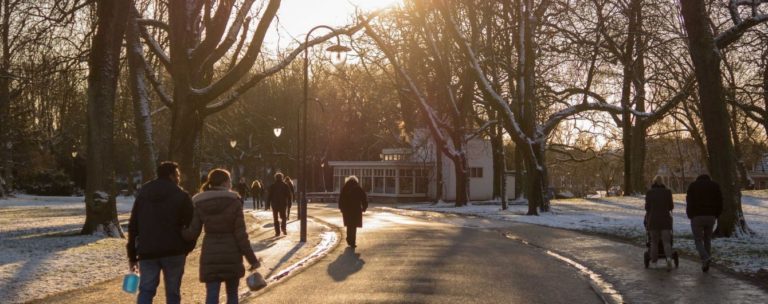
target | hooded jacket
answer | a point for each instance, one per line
(220, 214)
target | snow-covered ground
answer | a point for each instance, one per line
(42, 254)
(623, 217)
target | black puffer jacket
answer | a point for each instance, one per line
(226, 242)
(658, 204)
(704, 198)
(161, 210)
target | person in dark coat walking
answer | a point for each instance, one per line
(219, 211)
(256, 193)
(704, 205)
(242, 189)
(352, 202)
(279, 197)
(288, 181)
(658, 216)
(161, 211)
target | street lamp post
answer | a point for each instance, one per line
(339, 57)
(233, 144)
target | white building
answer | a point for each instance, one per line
(409, 174)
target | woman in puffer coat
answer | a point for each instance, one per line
(219, 211)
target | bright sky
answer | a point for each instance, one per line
(299, 16)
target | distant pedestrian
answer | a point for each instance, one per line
(289, 182)
(219, 211)
(704, 204)
(352, 202)
(242, 189)
(161, 211)
(658, 215)
(256, 193)
(279, 197)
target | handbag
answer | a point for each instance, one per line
(255, 281)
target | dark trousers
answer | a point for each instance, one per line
(257, 203)
(172, 268)
(278, 225)
(351, 235)
(212, 291)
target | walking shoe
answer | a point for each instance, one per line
(669, 265)
(277, 233)
(285, 232)
(705, 266)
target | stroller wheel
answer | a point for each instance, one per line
(676, 258)
(646, 259)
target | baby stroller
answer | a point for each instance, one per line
(662, 254)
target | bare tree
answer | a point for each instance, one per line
(201, 34)
(104, 71)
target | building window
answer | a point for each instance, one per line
(406, 181)
(476, 172)
(422, 181)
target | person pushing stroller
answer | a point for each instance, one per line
(658, 219)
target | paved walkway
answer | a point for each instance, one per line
(275, 253)
(621, 264)
(403, 259)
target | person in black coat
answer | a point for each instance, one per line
(279, 197)
(352, 202)
(704, 205)
(161, 211)
(658, 216)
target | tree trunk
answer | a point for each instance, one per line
(6, 145)
(186, 128)
(461, 168)
(439, 174)
(104, 71)
(714, 114)
(519, 177)
(639, 130)
(139, 93)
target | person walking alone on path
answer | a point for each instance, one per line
(161, 211)
(288, 181)
(219, 211)
(256, 193)
(704, 204)
(352, 202)
(242, 189)
(658, 216)
(279, 198)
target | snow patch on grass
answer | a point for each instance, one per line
(623, 217)
(42, 253)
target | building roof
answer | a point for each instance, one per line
(377, 163)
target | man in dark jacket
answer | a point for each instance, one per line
(352, 202)
(704, 205)
(242, 189)
(279, 197)
(161, 210)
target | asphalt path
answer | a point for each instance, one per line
(401, 259)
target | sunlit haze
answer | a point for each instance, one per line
(296, 17)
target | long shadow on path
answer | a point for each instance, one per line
(346, 264)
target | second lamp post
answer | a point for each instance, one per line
(338, 58)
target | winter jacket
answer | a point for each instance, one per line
(352, 203)
(704, 198)
(279, 196)
(256, 189)
(220, 214)
(161, 210)
(658, 207)
(242, 189)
